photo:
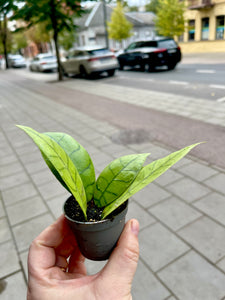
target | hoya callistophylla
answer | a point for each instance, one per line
(146, 175)
(121, 179)
(55, 156)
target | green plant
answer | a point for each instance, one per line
(122, 178)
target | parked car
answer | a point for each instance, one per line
(43, 62)
(91, 60)
(16, 61)
(151, 53)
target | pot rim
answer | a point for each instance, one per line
(94, 222)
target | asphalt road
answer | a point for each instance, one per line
(195, 80)
(197, 76)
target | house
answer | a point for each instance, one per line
(206, 25)
(92, 31)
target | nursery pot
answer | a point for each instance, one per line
(96, 240)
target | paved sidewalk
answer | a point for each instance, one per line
(181, 214)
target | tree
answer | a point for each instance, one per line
(6, 7)
(152, 6)
(56, 15)
(170, 20)
(119, 27)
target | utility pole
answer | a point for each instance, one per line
(105, 24)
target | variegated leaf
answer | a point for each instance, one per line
(62, 163)
(117, 177)
(80, 158)
(148, 174)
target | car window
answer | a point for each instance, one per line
(98, 51)
(132, 46)
(152, 44)
(48, 57)
(168, 44)
(36, 58)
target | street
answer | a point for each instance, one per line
(198, 77)
(181, 214)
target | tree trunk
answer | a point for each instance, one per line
(4, 40)
(60, 73)
(55, 38)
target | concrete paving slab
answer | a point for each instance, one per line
(25, 233)
(159, 246)
(18, 193)
(139, 213)
(151, 195)
(217, 183)
(198, 171)
(9, 262)
(192, 277)
(207, 237)
(5, 233)
(188, 190)
(25, 210)
(174, 213)
(141, 291)
(213, 205)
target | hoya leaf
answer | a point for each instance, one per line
(117, 177)
(148, 174)
(62, 163)
(80, 158)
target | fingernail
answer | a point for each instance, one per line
(135, 227)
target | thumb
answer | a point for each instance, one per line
(123, 261)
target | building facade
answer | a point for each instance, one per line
(91, 29)
(205, 20)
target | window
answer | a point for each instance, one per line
(220, 27)
(191, 30)
(168, 44)
(205, 28)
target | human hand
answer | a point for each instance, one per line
(52, 277)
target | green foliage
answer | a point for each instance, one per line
(117, 177)
(62, 163)
(121, 179)
(79, 157)
(170, 20)
(67, 39)
(119, 27)
(152, 6)
(148, 174)
(57, 16)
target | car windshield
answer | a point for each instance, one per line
(151, 44)
(98, 51)
(168, 44)
(48, 57)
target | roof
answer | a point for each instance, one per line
(95, 17)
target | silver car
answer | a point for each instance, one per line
(16, 61)
(44, 62)
(88, 61)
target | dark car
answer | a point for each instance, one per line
(151, 54)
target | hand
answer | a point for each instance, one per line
(52, 277)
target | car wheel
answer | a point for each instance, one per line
(31, 69)
(83, 72)
(111, 72)
(65, 73)
(121, 66)
(171, 66)
(151, 68)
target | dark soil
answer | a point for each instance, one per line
(74, 212)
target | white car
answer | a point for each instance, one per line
(16, 61)
(44, 62)
(90, 60)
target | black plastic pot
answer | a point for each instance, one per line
(96, 240)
